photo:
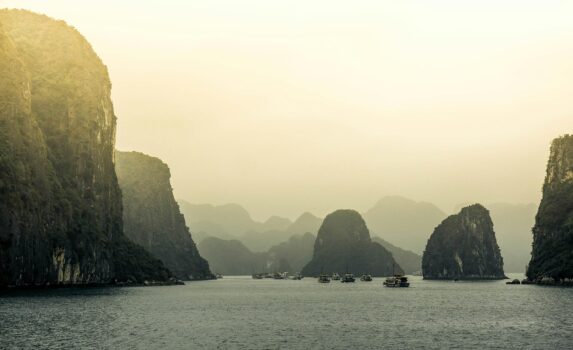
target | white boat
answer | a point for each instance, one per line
(397, 281)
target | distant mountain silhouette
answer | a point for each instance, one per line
(404, 222)
(231, 221)
(513, 224)
(297, 251)
(231, 257)
(305, 223)
(293, 244)
(409, 261)
(275, 223)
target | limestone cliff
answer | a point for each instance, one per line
(60, 204)
(343, 244)
(552, 255)
(463, 246)
(151, 215)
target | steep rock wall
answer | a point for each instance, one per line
(60, 211)
(463, 246)
(152, 217)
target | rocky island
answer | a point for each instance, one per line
(552, 255)
(151, 216)
(463, 246)
(60, 203)
(343, 244)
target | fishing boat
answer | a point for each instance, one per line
(397, 281)
(348, 278)
(366, 278)
(323, 278)
(335, 276)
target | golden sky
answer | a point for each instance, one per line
(292, 106)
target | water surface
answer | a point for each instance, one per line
(241, 313)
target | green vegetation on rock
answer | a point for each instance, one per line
(343, 244)
(60, 204)
(552, 254)
(151, 216)
(463, 246)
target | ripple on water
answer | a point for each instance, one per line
(241, 313)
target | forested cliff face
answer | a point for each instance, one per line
(60, 204)
(552, 254)
(343, 244)
(151, 215)
(463, 246)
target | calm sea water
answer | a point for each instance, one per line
(241, 313)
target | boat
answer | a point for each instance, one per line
(323, 278)
(296, 277)
(278, 276)
(366, 278)
(347, 278)
(219, 276)
(397, 281)
(257, 276)
(335, 277)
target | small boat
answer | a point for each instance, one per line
(219, 276)
(366, 278)
(296, 277)
(397, 281)
(348, 278)
(335, 277)
(257, 276)
(278, 276)
(323, 278)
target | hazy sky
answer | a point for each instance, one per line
(292, 106)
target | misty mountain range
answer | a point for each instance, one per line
(401, 225)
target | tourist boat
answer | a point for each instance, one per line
(347, 278)
(323, 278)
(366, 278)
(335, 277)
(397, 281)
